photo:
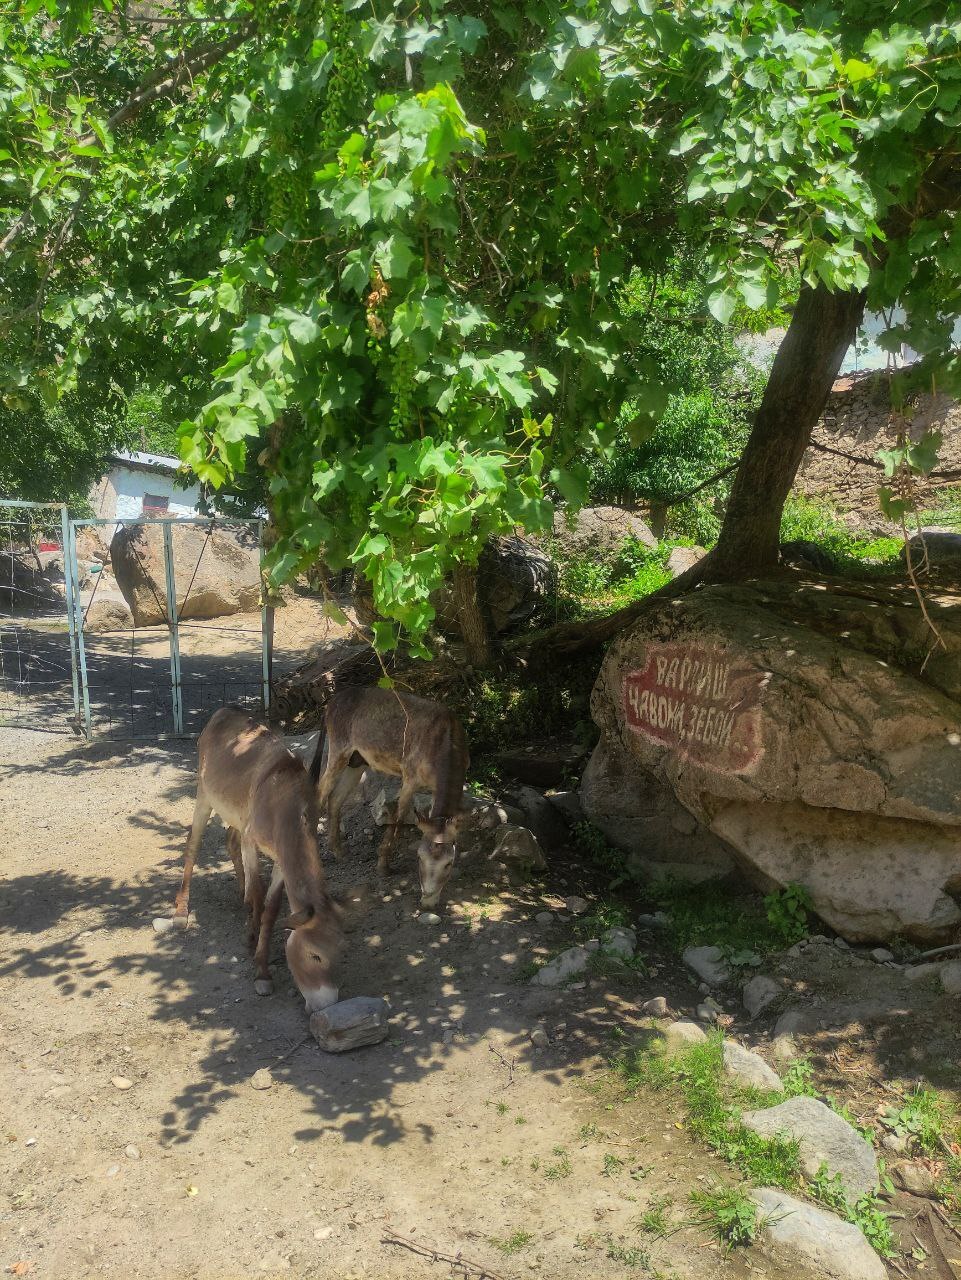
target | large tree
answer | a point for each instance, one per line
(380, 248)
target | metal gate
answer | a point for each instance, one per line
(154, 668)
(39, 681)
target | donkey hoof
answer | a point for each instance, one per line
(163, 924)
(264, 987)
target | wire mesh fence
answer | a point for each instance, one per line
(171, 624)
(38, 673)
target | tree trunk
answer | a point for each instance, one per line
(822, 328)
(470, 616)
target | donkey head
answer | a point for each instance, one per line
(312, 947)
(435, 856)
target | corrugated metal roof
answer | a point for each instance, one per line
(158, 460)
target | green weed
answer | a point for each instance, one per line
(725, 914)
(866, 1213)
(787, 912)
(613, 1165)
(655, 1220)
(799, 1079)
(628, 1255)
(921, 1116)
(513, 1243)
(729, 1213)
(559, 1168)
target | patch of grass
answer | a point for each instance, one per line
(632, 1255)
(725, 914)
(613, 1165)
(729, 1213)
(866, 1213)
(856, 555)
(921, 1116)
(655, 1219)
(502, 1108)
(712, 1115)
(520, 1120)
(559, 1168)
(947, 510)
(799, 1079)
(588, 1132)
(513, 1243)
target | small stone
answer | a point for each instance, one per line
(568, 964)
(323, 1233)
(592, 945)
(759, 994)
(30, 1142)
(163, 924)
(749, 1068)
(131, 1152)
(708, 1011)
(350, 1024)
(544, 917)
(518, 849)
(790, 1022)
(429, 917)
(709, 964)
(784, 1049)
(951, 977)
(841, 944)
(539, 1038)
(620, 942)
(896, 1143)
(121, 1082)
(113, 1170)
(448, 1036)
(812, 1241)
(659, 920)
(576, 906)
(261, 1079)
(680, 1035)
(915, 1178)
(882, 955)
(655, 1008)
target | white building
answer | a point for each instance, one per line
(144, 484)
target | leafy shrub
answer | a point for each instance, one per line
(854, 554)
(787, 912)
(729, 1212)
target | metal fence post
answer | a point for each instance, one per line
(71, 577)
(78, 634)
(266, 626)
(173, 622)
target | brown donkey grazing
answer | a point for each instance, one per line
(417, 740)
(262, 793)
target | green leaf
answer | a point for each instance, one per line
(359, 208)
(394, 256)
(721, 304)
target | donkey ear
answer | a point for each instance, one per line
(424, 824)
(298, 919)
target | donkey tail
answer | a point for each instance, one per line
(317, 764)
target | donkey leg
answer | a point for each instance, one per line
(263, 984)
(233, 848)
(401, 812)
(336, 764)
(202, 812)
(347, 784)
(254, 888)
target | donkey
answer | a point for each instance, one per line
(412, 738)
(268, 804)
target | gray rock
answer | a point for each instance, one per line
(942, 547)
(655, 1008)
(882, 955)
(683, 558)
(749, 1068)
(539, 1038)
(600, 532)
(518, 849)
(824, 1138)
(568, 805)
(131, 1152)
(592, 945)
(540, 817)
(784, 1049)
(790, 1022)
(918, 972)
(709, 964)
(814, 1244)
(896, 1143)
(659, 920)
(351, 1023)
(619, 942)
(575, 905)
(760, 993)
(563, 967)
(951, 977)
(915, 1178)
(261, 1079)
(708, 1011)
(544, 917)
(429, 917)
(680, 1035)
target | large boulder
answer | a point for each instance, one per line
(599, 532)
(770, 715)
(938, 553)
(217, 573)
(515, 578)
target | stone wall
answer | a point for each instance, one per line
(857, 420)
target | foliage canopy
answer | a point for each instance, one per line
(378, 248)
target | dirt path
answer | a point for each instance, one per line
(455, 1132)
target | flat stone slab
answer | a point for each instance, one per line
(824, 1138)
(816, 1245)
(749, 1068)
(563, 967)
(709, 964)
(349, 1024)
